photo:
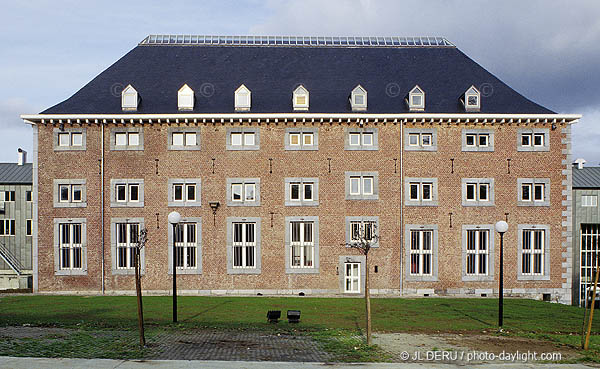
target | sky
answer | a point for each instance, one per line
(547, 50)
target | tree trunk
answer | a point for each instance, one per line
(367, 299)
(138, 290)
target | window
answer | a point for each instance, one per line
(243, 98)
(184, 191)
(362, 185)
(70, 246)
(535, 139)
(476, 252)
(477, 140)
(472, 99)
(359, 225)
(185, 98)
(420, 139)
(127, 192)
(70, 193)
(421, 252)
(127, 138)
(588, 200)
(301, 138)
(28, 196)
(186, 246)
(300, 98)
(243, 138)
(129, 98)
(69, 138)
(7, 196)
(590, 248)
(358, 99)
(533, 191)
(183, 138)
(28, 227)
(477, 191)
(243, 245)
(7, 227)
(127, 239)
(352, 277)
(361, 139)
(534, 256)
(416, 99)
(301, 191)
(421, 191)
(243, 191)
(302, 244)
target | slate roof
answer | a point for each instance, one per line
(329, 73)
(11, 173)
(586, 177)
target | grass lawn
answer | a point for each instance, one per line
(528, 318)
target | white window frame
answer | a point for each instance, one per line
(362, 178)
(245, 183)
(420, 183)
(302, 182)
(231, 221)
(302, 133)
(361, 221)
(70, 134)
(71, 185)
(128, 201)
(421, 253)
(129, 132)
(299, 92)
(197, 246)
(478, 183)
(472, 92)
(352, 280)
(28, 227)
(187, 133)
(185, 98)
(475, 252)
(477, 134)
(129, 98)
(128, 246)
(71, 248)
(244, 132)
(361, 133)
(530, 134)
(416, 92)
(420, 134)
(242, 98)
(185, 247)
(531, 184)
(526, 236)
(7, 227)
(186, 184)
(304, 247)
(358, 91)
(589, 200)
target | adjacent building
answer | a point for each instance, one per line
(16, 223)
(278, 150)
(586, 226)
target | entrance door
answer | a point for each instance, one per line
(352, 277)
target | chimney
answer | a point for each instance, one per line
(22, 156)
(579, 163)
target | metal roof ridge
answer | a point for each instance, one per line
(296, 41)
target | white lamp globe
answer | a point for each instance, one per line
(501, 226)
(174, 217)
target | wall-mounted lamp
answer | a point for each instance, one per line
(214, 205)
(553, 126)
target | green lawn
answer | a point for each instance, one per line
(522, 317)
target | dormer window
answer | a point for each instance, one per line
(358, 98)
(242, 98)
(185, 98)
(300, 98)
(416, 99)
(472, 99)
(129, 98)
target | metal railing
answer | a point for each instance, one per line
(10, 259)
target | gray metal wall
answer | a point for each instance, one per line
(19, 210)
(582, 215)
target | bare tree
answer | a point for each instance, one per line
(362, 238)
(142, 239)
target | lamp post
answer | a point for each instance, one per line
(501, 227)
(174, 219)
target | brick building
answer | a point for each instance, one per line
(276, 150)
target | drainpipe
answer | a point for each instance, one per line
(102, 199)
(401, 208)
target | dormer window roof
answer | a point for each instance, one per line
(129, 98)
(243, 98)
(185, 98)
(358, 98)
(416, 99)
(300, 98)
(472, 99)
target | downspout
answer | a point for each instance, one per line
(401, 207)
(102, 200)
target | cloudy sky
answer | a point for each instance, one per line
(547, 50)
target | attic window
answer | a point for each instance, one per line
(300, 98)
(416, 99)
(358, 98)
(185, 98)
(243, 98)
(472, 100)
(129, 98)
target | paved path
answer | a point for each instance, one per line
(45, 363)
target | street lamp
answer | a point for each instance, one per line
(501, 227)
(174, 219)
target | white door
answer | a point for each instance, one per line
(352, 277)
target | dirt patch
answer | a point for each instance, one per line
(32, 332)
(470, 348)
